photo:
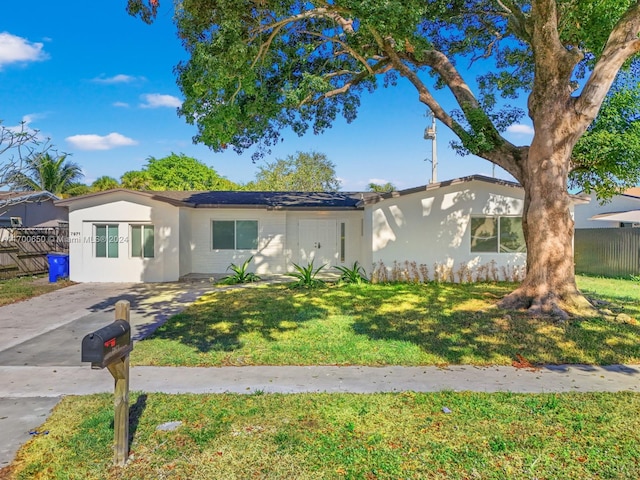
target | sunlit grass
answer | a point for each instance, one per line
(310, 436)
(402, 324)
(23, 288)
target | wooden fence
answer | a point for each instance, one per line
(23, 251)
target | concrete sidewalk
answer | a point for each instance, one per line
(27, 394)
(59, 381)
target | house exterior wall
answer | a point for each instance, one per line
(123, 210)
(35, 214)
(186, 241)
(353, 247)
(270, 256)
(618, 203)
(432, 226)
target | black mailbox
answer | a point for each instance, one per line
(108, 344)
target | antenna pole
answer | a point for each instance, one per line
(430, 134)
(434, 154)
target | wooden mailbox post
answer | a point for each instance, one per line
(110, 347)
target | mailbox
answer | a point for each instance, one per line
(107, 345)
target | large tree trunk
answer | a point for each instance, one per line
(549, 287)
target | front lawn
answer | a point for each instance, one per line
(334, 436)
(23, 288)
(400, 324)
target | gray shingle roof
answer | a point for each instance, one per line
(275, 200)
(247, 199)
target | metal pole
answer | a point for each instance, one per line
(434, 154)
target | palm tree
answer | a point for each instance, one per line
(45, 172)
(104, 183)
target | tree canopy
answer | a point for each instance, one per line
(304, 172)
(176, 172)
(258, 67)
(381, 187)
(103, 183)
(606, 159)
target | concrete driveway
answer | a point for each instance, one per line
(47, 331)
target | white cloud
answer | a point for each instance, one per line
(32, 117)
(97, 142)
(120, 78)
(121, 104)
(156, 100)
(15, 49)
(520, 129)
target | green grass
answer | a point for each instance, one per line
(311, 436)
(22, 288)
(401, 324)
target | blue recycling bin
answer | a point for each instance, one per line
(58, 266)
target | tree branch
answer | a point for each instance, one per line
(322, 12)
(622, 44)
(347, 49)
(503, 153)
(554, 63)
(517, 19)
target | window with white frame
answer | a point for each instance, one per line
(106, 240)
(142, 241)
(497, 235)
(234, 234)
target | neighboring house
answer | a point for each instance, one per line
(622, 210)
(30, 209)
(604, 243)
(127, 236)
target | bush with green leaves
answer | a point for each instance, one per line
(355, 274)
(306, 276)
(240, 274)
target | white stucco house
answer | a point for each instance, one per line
(622, 210)
(129, 236)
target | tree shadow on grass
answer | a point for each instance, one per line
(217, 322)
(450, 324)
(458, 334)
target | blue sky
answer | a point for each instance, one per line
(100, 84)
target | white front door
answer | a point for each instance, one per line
(318, 242)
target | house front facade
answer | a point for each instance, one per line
(469, 228)
(128, 236)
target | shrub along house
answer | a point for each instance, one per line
(472, 223)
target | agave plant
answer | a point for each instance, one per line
(240, 274)
(306, 275)
(355, 274)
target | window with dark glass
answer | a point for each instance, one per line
(142, 241)
(106, 240)
(497, 234)
(235, 234)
